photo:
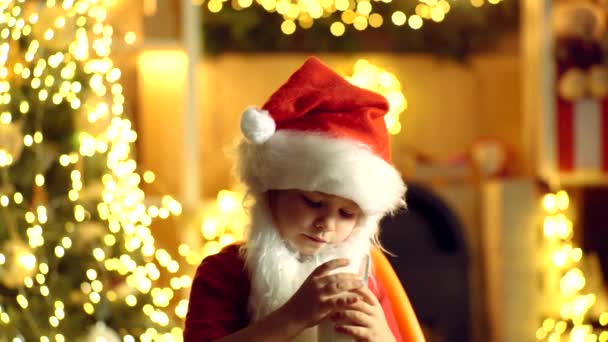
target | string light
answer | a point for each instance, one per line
(359, 13)
(368, 76)
(574, 304)
(83, 76)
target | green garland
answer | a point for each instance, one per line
(464, 31)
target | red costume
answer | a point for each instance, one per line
(317, 132)
(219, 296)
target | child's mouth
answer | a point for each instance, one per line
(315, 239)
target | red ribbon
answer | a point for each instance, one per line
(566, 138)
(604, 134)
(565, 134)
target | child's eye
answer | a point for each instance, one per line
(346, 214)
(311, 203)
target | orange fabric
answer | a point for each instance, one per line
(402, 308)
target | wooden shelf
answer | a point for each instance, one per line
(583, 179)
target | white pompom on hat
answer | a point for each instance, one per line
(257, 125)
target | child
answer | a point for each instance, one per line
(316, 161)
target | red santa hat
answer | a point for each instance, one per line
(318, 132)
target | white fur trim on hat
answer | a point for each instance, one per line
(316, 162)
(257, 125)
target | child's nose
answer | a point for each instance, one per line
(325, 223)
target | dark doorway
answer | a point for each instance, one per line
(431, 261)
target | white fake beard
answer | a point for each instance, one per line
(277, 269)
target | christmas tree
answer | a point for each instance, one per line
(77, 258)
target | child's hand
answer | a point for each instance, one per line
(363, 319)
(321, 294)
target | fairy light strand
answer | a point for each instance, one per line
(359, 14)
(564, 258)
(65, 39)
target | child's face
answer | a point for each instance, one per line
(311, 220)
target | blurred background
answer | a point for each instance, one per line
(118, 119)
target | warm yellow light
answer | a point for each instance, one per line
(49, 34)
(215, 6)
(228, 201)
(22, 301)
(364, 7)
(210, 248)
(98, 254)
(54, 321)
(38, 138)
(26, 259)
(59, 251)
(375, 20)
(91, 274)
(562, 200)
(130, 38)
(209, 228)
(288, 27)
(4, 318)
(5, 118)
(550, 227)
(563, 226)
(371, 77)
(604, 319)
(348, 17)
(182, 308)
(193, 258)
(437, 14)
(39, 180)
(423, 11)
(548, 324)
(581, 333)
(149, 177)
(560, 258)
(162, 297)
(576, 254)
(550, 203)
(5, 158)
(94, 297)
(89, 308)
(245, 3)
(337, 29)
(541, 334)
(131, 300)
(572, 282)
(415, 22)
(360, 23)
(341, 5)
(30, 217)
(79, 213)
(227, 239)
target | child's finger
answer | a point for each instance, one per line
(330, 265)
(336, 283)
(367, 295)
(361, 306)
(358, 332)
(352, 317)
(339, 302)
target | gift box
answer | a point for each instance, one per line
(582, 136)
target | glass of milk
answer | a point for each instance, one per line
(326, 331)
